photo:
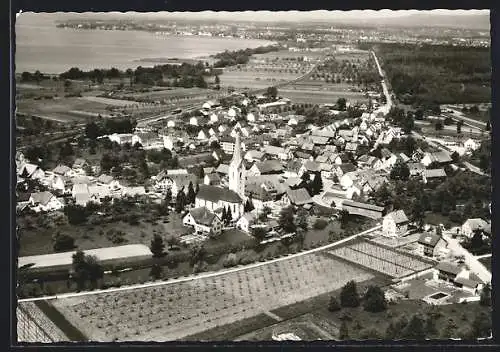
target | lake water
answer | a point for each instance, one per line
(40, 45)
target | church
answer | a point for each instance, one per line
(216, 198)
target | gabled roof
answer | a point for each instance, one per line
(350, 146)
(293, 165)
(347, 167)
(429, 239)
(433, 173)
(223, 169)
(42, 198)
(269, 166)
(398, 216)
(476, 224)
(79, 162)
(105, 179)
(215, 194)
(203, 216)
(254, 154)
(467, 282)
(311, 166)
(448, 267)
(272, 150)
(299, 196)
(61, 169)
(80, 188)
(362, 205)
(213, 177)
(440, 157)
(183, 180)
(319, 140)
(322, 158)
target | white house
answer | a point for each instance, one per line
(471, 225)
(203, 221)
(471, 145)
(193, 121)
(246, 221)
(121, 138)
(203, 135)
(251, 117)
(395, 224)
(440, 158)
(44, 201)
(278, 152)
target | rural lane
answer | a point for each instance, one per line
(200, 276)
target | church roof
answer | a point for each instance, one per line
(215, 194)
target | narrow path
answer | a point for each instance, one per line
(199, 276)
(483, 256)
(273, 316)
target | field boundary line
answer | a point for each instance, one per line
(203, 275)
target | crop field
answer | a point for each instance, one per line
(385, 260)
(327, 94)
(255, 79)
(61, 109)
(171, 312)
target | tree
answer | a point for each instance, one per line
(224, 215)
(419, 114)
(400, 171)
(333, 304)
(415, 329)
(172, 241)
(485, 296)
(408, 125)
(448, 330)
(418, 211)
(249, 205)
(343, 331)
(374, 300)
(197, 252)
(341, 104)
(438, 126)
(94, 268)
(180, 201)
(271, 92)
(455, 157)
(229, 216)
(302, 216)
(488, 126)
(259, 233)
(80, 274)
(349, 296)
(316, 184)
(459, 126)
(343, 218)
(156, 271)
(395, 328)
(191, 195)
(168, 196)
(157, 246)
(76, 214)
(92, 131)
(63, 243)
(286, 220)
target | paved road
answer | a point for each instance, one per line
(200, 276)
(388, 105)
(472, 262)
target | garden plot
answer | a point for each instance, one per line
(172, 311)
(34, 326)
(385, 260)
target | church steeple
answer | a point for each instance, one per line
(236, 160)
(237, 169)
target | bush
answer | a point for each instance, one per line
(320, 224)
(374, 300)
(230, 261)
(333, 305)
(349, 296)
(156, 271)
(63, 243)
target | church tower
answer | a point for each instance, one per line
(237, 170)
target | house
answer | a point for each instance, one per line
(369, 161)
(58, 182)
(180, 182)
(193, 121)
(203, 135)
(246, 221)
(63, 170)
(309, 166)
(260, 196)
(416, 168)
(447, 271)
(388, 159)
(266, 167)
(351, 147)
(471, 145)
(277, 152)
(441, 158)
(79, 165)
(395, 224)
(251, 117)
(417, 155)
(433, 175)
(254, 155)
(292, 168)
(98, 193)
(319, 141)
(121, 138)
(296, 197)
(228, 143)
(203, 221)
(80, 192)
(303, 156)
(222, 169)
(214, 198)
(471, 225)
(212, 179)
(44, 201)
(372, 183)
(469, 282)
(340, 170)
(294, 120)
(133, 191)
(148, 140)
(344, 193)
(431, 244)
(363, 209)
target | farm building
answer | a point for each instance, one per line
(433, 175)
(266, 167)
(441, 157)
(44, 201)
(395, 224)
(203, 221)
(298, 196)
(363, 209)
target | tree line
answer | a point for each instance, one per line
(241, 57)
